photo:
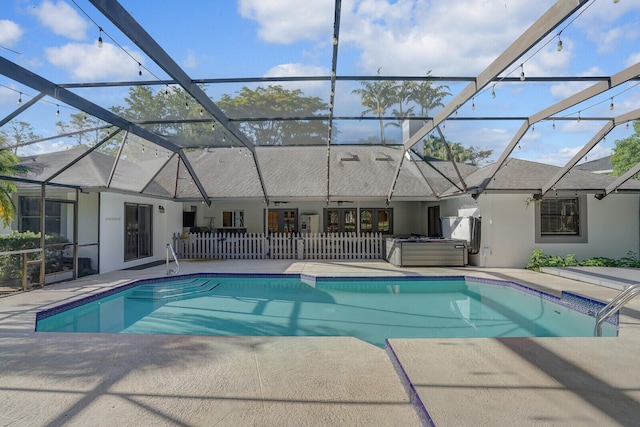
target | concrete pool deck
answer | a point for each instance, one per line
(113, 379)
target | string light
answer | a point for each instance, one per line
(84, 118)
(627, 126)
(493, 92)
(20, 99)
(57, 110)
(139, 69)
(522, 73)
(100, 37)
(616, 1)
(611, 106)
(559, 46)
(473, 103)
(578, 116)
(554, 125)
(201, 112)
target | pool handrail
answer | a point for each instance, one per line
(614, 306)
(175, 258)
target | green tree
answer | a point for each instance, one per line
(626, 153)
(88, 135)
(377, 96)
(427, 96)
(402, 92)
(274, 101)
(170, 112)
(18, 134)
(435, 147)
(9, 167)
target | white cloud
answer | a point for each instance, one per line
(88, 62)
(450, 38)
(289, 21)
(191, 61)
(10, 33)
(598, 22)
(312, 88)
(62, 19)
(564, 90)
(633, 59)
(559, 157)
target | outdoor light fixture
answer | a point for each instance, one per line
(611, 106)
(493, 92)
(473, 103)
(161, 209)
(57, 110)
(20, 99)
(522, 73)
(100, 37)
(559, 44)
(139, 69)
(554, 125)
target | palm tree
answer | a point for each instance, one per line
(427, 96)
(9, 166)
(402, 94)
(377, 96)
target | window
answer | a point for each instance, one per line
(233, 219)
(29, 215)
(138, 231)
(561, 220)
(559, 216)
(283, 220)
(371, 220)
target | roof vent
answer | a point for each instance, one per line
(380, 156)
(346, 156)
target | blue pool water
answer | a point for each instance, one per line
(366, 308)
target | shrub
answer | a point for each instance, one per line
(540, 259)
(10, 265)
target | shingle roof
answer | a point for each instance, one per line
(300, 172)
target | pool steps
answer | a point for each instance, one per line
(155, 293)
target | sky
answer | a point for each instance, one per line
(57, 39)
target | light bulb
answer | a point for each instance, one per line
(554, 125)
(611, 106)
(57, 110)
(616, 1)
(201, 112)
(578, 116)
(559, 45)
(100, 37)
(522, 78)
(473, 104)
(493, 92)
(84, 118)
(20, 99)
(139, 69)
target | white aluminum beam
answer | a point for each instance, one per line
(560, 11)
(624, 118)
(34, 81)
(113, 11)
(596, 89)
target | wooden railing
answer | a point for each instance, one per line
(279, 246)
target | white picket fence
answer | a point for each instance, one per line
(279, 246)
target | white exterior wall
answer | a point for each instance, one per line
(408, 217)
(112, 229)
(508, 230)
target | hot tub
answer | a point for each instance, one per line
(426, 252)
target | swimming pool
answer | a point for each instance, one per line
(369, 308)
